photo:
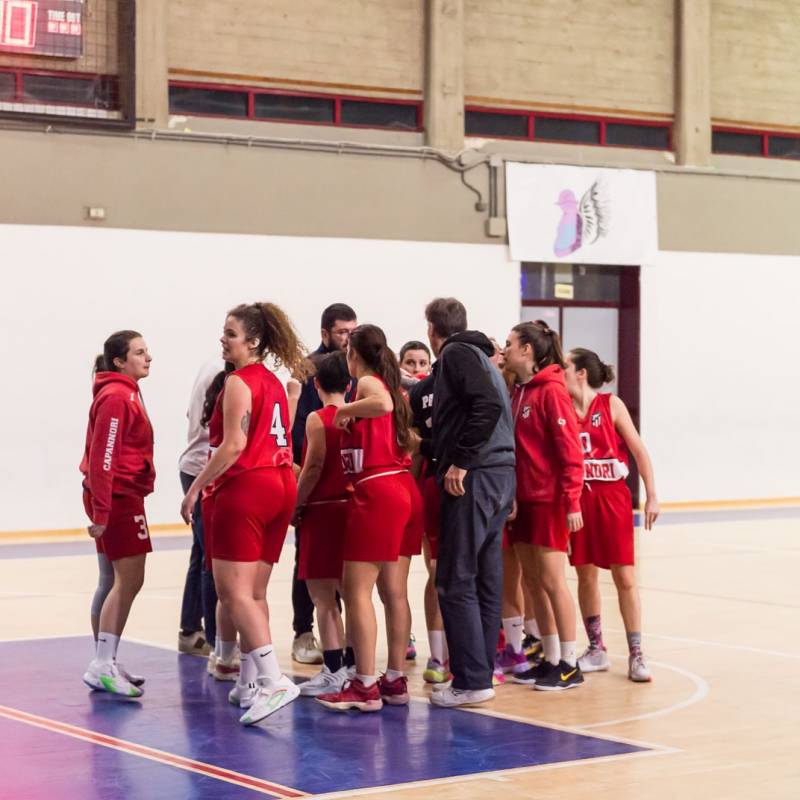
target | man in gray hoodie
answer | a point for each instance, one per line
(473, 447)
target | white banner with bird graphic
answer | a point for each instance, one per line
(581, 215)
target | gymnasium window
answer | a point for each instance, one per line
(548, 127)
(93, 92)
(598, 284)
(8, 86)
(784, 146)
(278, 106)
(735, 143)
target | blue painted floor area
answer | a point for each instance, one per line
(186, 712)
(84, 548)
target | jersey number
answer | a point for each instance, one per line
(142, 533)
(276, 429)
(586, 443)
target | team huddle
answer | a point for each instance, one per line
(498, 464)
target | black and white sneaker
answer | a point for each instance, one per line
(534, 674)
(560, 678)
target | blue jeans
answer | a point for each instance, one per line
(199, 593)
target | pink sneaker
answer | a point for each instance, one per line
(509, 661)
(395, 692)
(498, 678)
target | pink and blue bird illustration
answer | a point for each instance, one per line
(581, 223)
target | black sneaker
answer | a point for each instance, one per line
(534, 674)
(532, 647)
(561, 677)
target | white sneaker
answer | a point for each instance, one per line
(305, 649)
(227, 669)
(638, 671)
(194, 644)
(324, 682)
(243, 694)
(131, 677)
(351, 672)
(107, 678)
(594, 660)
(452, 698)
(211, 664)
(271, 696)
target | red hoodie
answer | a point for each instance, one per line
(118, 458)
(549, 457)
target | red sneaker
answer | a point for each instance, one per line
(354, 695)
(395, 692)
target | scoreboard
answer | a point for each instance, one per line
(42, 27)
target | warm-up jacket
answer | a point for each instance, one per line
(118, 458)
(549, 457)
(472, 425)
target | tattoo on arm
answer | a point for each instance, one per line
(246, 423)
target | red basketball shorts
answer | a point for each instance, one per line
(322, 535)
(607, 534)
(542, 524)
(385, 519)
(432, 504)
(251, 514)
(126, 533)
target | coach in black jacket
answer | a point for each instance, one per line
(473, 446)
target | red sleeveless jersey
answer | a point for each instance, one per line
(370, 446)
(268, 441)
(605, 457)
(332, 483)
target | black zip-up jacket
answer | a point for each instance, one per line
(472, 425)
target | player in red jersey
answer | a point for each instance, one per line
(384, 526)
(607, 433)
(322, 495)
(253, 494)
(415, 359)
(118, 474)
(549, 484)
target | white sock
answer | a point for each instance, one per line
(513, 629)
(569, 653)
(550, 646)
(532, 628)
(248, 672)
(217, 646)
(438, 646)
(394, 674)
(107, 645)
(368, 680)
(266, 664)
(226, 650)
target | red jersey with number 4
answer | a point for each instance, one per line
(118, 456)
(268, 442)
(332, 483)
(605, 457)
(370, 446)
(549, 460)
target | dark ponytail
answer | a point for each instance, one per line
(116, 346)
(213, 392)
(544, 342)
(275, 333)
(369, 341)
(597, 373)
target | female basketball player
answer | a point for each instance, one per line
(549, 483)
(384, 526)
(254, 488)
(606, 541)
(118, 474)
(322, 494)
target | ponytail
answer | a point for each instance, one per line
(369, 341)
(544, 342)
(597, 373)
(269, 325)
(213, 392)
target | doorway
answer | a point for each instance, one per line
(596, 307)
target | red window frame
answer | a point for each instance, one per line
(765, 137)
(252, 91)
(19, 74)
(602, 120)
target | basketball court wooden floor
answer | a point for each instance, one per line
(721, 598)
